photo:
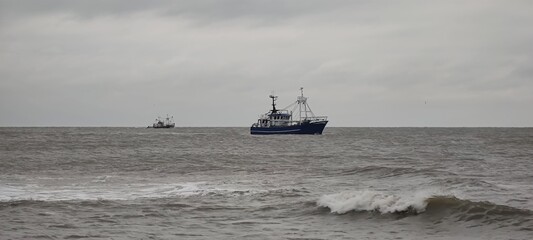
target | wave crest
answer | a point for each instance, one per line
(467, 209)
(427, 202)
(344, 202)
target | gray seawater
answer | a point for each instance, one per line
(223, 183)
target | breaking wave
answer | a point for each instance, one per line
(344, 202)
(423, 202)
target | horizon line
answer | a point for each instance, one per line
(102, 126)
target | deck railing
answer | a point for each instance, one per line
(316, 118)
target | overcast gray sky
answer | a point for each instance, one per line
(214, 63)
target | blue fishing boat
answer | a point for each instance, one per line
(299, 120)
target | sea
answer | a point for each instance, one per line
(223, 183)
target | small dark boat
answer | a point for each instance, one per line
(300, 120)
(163, 123)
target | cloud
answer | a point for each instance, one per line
(364, 63)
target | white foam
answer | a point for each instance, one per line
(202, 189)
(368, 200)
(95, 190)
(101, 179)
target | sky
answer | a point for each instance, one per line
(214, 63)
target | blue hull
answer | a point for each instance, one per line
(304, 128)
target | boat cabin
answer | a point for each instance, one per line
(279, 118)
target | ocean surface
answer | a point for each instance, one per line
(223, 183)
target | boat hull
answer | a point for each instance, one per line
(162, 126)
(304, 128)
(168, 126)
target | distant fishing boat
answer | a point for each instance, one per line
(300, 120)
(168, 122)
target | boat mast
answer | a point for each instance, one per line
(302, 101)
(303, 106)
(300, 105)
(274, 98)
